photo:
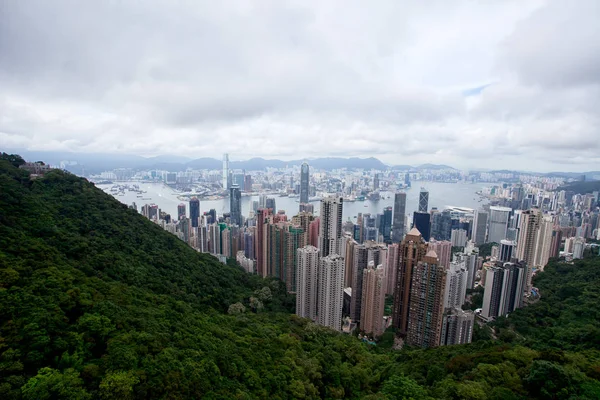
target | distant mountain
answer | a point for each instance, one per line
(581, 187)
(329, 163)
(402, 167)
(434, 166)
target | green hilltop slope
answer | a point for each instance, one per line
(98, 302)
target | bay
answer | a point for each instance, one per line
(441, 195)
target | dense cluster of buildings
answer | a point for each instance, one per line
(342, 272)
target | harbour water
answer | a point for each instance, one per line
(441, 195)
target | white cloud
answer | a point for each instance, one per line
(306, 79)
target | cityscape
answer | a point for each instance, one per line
(425, 263)
(248, 200)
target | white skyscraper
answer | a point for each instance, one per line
(307, 282)
(456, 284)
(330, 226)
(225, 171)
(578, 247)
(498, 223)
(503, 289)
(331, 291)
(480, 219)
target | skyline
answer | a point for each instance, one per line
(463, 84)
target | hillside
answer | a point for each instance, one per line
(98, 302)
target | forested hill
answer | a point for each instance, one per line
(98, 302)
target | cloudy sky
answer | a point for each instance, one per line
(484, 83)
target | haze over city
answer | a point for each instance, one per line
(472, 85)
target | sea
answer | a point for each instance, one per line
(441, 195)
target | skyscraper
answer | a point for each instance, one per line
(304, 182)
(235, 205)
(480, 218)
(399, 215)
(498, 223)
(330, 225)
(412, 250)
(443, 248)
(385, 228)
(180, 211)
(376, 181)
(363, 254)
(194, 211)
(456, 284)
(373, 300)
(307, 282)
(270, 203)
(331, 291)
(503, 289)
(421, 221)
(555, 243)
(426, 303)
(423, 200)
(457, 327)
(226, 171)
(508, 250)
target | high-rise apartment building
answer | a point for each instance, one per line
(304, 183)
(194, 211)
(498, 223)
(331, 291)
(393, 252)
(330, 225)
(235, 205)
(479, 234)
(504, 284)
(373, 300)
(385, 227)
(307, 282)
(508, 250)
(398, 217)
(556, 242)
(443, 249)
(458, 237)
(456, 284)
(412, 250)
(423, 200)
(426, 304)
(457, 327)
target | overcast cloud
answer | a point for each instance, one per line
(391, 79)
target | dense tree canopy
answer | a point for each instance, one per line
(98, 302)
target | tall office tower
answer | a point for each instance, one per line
(194, 211)
(421, 223)
(373, 300)
(578, 247)
(248, 183)
(359, 223)
(457, 327)
(307, 277)
(226, 178)
(398, 218)
(214, 237)
(423, 200)
(456, 284)
(412, 250)
(407, 179)
(498, 223)
(262, 219)
(386, 225)
(376, 182)
(370, 231)
(426, 302)
(480, 218)
(330, 225)
(270, 203)
(349, 261)
(555, 243)
(181, 211)
(393, 253)
(441, 225)
(331, 291)
(313, 232)
(304, 182)
(443, 249)
(458, 237)
(262, 201)
(508, 250)
(503, 289)
(235, 205)
(226, 242)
